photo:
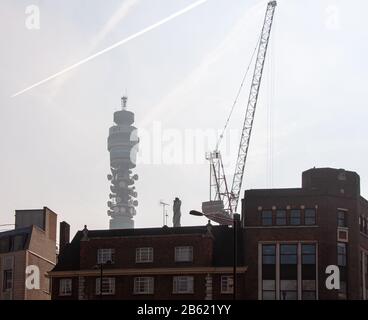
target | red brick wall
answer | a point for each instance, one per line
(325, 234)
(163, 252)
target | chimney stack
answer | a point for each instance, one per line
(64, 235)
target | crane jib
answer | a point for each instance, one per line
(218, 183)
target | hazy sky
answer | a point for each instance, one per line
(181, 79)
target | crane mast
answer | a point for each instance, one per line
(224, 202)
(251, 107)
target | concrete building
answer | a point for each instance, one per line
(122, 145)
(156, 263)
(292, 235)
(31, 244)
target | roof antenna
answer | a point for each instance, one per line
(124, 102)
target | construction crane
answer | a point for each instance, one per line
(224, 201)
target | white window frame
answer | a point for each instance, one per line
(104, 255)
(148, 282)
(144, 255)
(188, 281)
(278, 263)
(65, 287)
(109, 282)
(184, 254)
(227, 284)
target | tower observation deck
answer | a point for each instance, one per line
(123, 146)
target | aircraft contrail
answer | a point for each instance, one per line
(117, 44)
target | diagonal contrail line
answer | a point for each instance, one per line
(133, 36)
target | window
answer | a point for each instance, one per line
(105, 256)
(4, 245)
(310, 216)
(342, 263)
(108, 286)
(183, 254)
(280, 217)
(288, 254)
(268, 272)
(144, 255)
(269, 289)
(18, 242)
(227, 284)
(341, 219)
(308, 254)
(267, 218)
(296, 271)
(183, 284)
(143, 285)
(309, 290)
(268, 254)
(308, 271)
(295, 217)
(363, 224)
(65, 287)
(289, 289)
(8, 280)
(288, 271)
(341, 254)
(342, 292)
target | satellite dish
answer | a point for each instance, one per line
(109, 177)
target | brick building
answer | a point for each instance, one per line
(292, 235)
(287, 239)
(31, 243)
(155, 263)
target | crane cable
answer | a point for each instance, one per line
(237, 96)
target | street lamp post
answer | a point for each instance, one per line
(236, 219)
(101, 267)
(101, 277)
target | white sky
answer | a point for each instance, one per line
(183, 76)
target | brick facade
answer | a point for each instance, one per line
(325, 192)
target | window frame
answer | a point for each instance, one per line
(189, 280)
(269, 219)
(105, 255)
(314, 216)
(179, 251)
(344, 219)
(342, 254)
(62, 287)
(291, 218)
(150, 285)
(288, 254)
(139, 255)
(284, 218)
(111, 286)
(227, 284)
